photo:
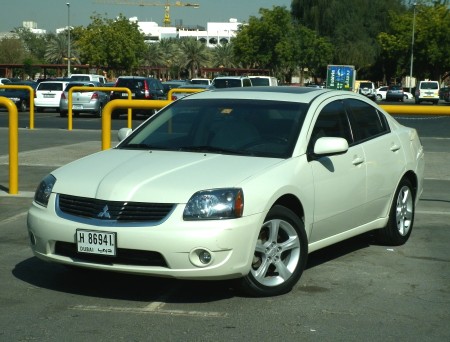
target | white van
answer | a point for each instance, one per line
(87, 78)
(427, 91)
(264, 81)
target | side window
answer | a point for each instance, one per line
(367, 122)
(246, 82)
(331, 122)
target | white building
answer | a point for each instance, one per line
(215, 33)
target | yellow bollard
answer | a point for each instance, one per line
(13, 145)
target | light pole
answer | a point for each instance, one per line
(68, 39)
(412, 47)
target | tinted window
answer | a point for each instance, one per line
(247, 82)
(259, 81)
(367, 122)
(50, 86)
(429, 85)
(332, 122)
(227, 83)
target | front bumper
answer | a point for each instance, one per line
(231, 244)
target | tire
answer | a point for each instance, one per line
(280, 255)
(22, 106)
(379, 97)
(405, 97)
(401, 216)
(62, 113)
(98, 113)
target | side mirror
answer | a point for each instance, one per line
(330, 146)
(123, 133)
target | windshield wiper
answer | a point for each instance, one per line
(211, 149)
(145, 147)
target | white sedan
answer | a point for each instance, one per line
(239, 183)
(381, 94)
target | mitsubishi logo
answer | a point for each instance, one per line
(104, 213)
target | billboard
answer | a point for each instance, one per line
(341, 77)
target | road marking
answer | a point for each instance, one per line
(429, 212)
(152, 308)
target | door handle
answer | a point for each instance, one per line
(357, 161)
(395, 147)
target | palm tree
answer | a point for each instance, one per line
(56, 50)
(222, 55)
(196, 55)
(171, 54)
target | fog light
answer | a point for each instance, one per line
(204, 257)
(201, 257)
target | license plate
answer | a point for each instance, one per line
(94, 242)
(49, 96)
(77, 107)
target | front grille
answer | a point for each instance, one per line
(92, 208)
(124, 256)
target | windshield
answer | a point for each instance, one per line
(227, 126)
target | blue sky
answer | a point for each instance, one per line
(52, 14)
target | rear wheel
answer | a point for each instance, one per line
(280, 254)
(22, 106)
(401, 216)
(98, 113)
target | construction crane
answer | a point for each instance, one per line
(167, 5)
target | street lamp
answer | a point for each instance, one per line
(68, 39)
(412, 47)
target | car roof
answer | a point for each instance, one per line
(281, 93)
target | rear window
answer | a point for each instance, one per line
(365, 85)
(395, 88)
(130, 83)
(50, 86)
(80, 78)
(227, 83)
(258, 81)
(429, 85)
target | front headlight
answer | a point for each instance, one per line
(44, 190)
(215, 204)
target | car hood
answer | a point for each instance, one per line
(154, 176)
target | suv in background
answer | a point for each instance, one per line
(231, 82)
(142, 88)
(87, 78)
(395, 93)
(264, 81)
(368, 89)
(427, 91)
(48, 95)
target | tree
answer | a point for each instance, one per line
(222, 55)
(11, 51)
(35, 44)
(431, 42)
(56, 50)
(196, 55)
(264, 42)
(114, 43)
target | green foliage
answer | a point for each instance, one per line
(113, 43)
(12, 50)
(196, 55)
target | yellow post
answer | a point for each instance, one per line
(114, 104)
(84, 88)
(184, 90)
(31, 90)
(13, 145)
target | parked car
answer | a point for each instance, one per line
(381, 93)
(48, 95)
(204, 81)
(199, 87)
(235, 183)
(88, 78)
(142, 88)
(231, 82)
(20, 97)
(84, 101)
(5, 81)
(395, 93)
(368, 89)
(444, 94)
(264, 81)
(427, 91)
(167, 85)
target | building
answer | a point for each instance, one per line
(214, 35)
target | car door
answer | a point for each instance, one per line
(339, 180)
(383, 155)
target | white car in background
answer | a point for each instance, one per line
(48, 95)
(238, 183)
(381, 94)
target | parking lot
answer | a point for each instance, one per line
(353, 291)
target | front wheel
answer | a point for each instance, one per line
(280, 254)
(401, 216)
